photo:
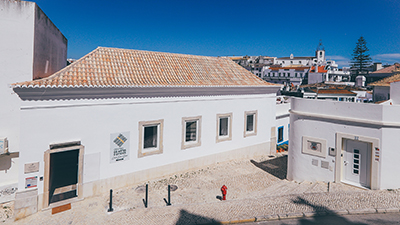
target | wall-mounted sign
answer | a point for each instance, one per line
(119, 146)
(377, 154)
(31, 167)
(31, 182)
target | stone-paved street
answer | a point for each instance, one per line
(256, 188)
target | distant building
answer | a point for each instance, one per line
(318, 59)
(285, 75)
(381, 88)
(382, 73)
(254, 64)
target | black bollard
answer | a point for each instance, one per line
(169, 196)
(328, 185)
(145, 201)
(110, 208)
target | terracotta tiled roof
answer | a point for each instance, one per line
(321, 69)
(388, 69)
(385, 82)
(112, 67)
(334, 91)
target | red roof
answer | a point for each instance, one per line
(113, 67)
(321, 69)
(334, 91)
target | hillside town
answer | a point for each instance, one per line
(130, 136)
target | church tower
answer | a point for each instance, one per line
(320, 53)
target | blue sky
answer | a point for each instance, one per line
(221, 28)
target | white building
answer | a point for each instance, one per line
(118, 117)
(345, 142)
(282, 123)
(318, 59)
(285, 75)
(381, 88)
(31, 47)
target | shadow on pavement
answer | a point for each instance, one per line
(276, 167)
(323, 215)
(188, 218)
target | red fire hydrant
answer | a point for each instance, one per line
(223, 189)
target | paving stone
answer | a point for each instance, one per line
(255, 188)
(282, 216)
(295, 215)
(392, 210)
(339, 212)
(268, 217)
(383, 210)
(361, 211)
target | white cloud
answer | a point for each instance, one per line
(392, 57)
(337, 57)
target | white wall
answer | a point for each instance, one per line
(28, 39)
(16, 46)
(282, 120)
(300, 167)
(16, 60)
(395, 92)
(377, 121)
(381, 93)
(92, 122)
(50, 47)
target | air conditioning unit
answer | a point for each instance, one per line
(3, 146)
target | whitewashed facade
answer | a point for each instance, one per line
(345, 142)
(81, 113)
(31, 47)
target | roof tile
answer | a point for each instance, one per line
(124, 68)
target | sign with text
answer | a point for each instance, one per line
(119, 146)
(31, 182)
(31, 167)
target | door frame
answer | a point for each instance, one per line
(339, 161)
(62, 148)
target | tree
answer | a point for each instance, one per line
(361, 59)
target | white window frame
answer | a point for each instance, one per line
(226, 137)
(255, 119)
(151, 151)
(191, 144)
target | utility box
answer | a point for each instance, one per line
(3, 146)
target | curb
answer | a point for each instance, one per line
(312, 214)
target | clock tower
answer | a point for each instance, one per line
(320, 52)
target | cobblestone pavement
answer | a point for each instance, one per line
(256, 188)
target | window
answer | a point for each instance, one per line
(284, 74)
(280, 134)
(150, 137)
(295, 74)
(191, 132)
(279, 74)
(250, 123)
(269, 74)
(300, 62)
(291, 62)
(224, 127)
